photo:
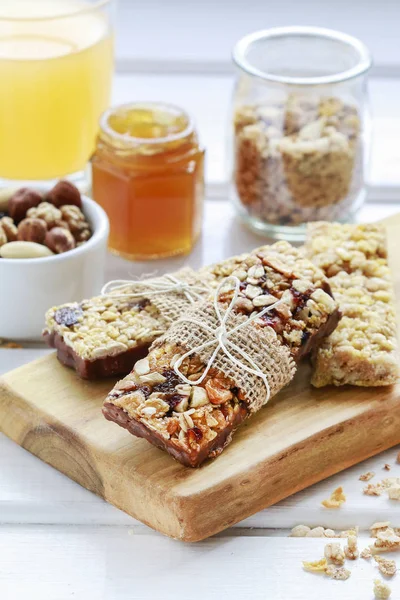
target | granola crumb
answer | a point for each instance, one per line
(337, 572)
(386, 566)
(316, 566)
(373, 489)
(381, 590)
(378, 527)
(316, 532)
(333, 552)
(348, 532)
(394, 492)
(386, 541)
(387, 467)
(336, 500)
(330, 533)
(366, 553)
(351, 550)
(367, 476)
(300, 531)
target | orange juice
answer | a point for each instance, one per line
(56, 63)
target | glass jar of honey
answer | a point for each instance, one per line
(148, 175)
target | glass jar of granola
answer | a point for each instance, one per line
(301, 128)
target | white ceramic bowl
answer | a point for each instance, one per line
(28, 287)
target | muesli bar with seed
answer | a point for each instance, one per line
(196, 421)
(363, 349)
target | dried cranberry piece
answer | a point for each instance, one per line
(146, 390)
(68, 316)
(196, 433)
(173, 400)
(171, 381)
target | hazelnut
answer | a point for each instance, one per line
(59, 240)
(49, 213)
(63, 193)
(10, 229)
(23, 200)
(32, 230)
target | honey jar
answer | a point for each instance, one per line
(148, 175)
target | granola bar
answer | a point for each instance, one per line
(195, 421)
(104, 336)
(363, 349)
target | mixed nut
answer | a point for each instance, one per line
(35, 224)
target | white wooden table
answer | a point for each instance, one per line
(58, 541)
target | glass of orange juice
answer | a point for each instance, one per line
(56, 63)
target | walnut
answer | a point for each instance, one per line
(216, 392)
(48, 213)
(77, 223)
(10, 229)
(32, 230)
(59, 240)
(64, 193)
(20, 203)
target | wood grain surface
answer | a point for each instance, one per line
(302, 436)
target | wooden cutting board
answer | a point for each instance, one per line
(302, 436)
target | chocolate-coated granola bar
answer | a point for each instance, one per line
(195, 421)
(363, 349)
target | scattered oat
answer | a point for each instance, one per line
(333, 552)
(387, 467)
(316, 566)
(300, 531)
(316, 532)
(394, 492)
(378, 527)
(351, 550)
(366, 553)
(386, 566)
(373, 489)
(381, 590)
(336, 500)
(337, 572)
(367, 476)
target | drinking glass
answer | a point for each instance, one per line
(56, 63)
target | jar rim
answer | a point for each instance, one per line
(84, 9)
(130, 140)
(363, 65)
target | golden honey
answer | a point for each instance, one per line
(148, 175)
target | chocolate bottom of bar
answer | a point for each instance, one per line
(100, 368)
(191, 458)
(314, 340)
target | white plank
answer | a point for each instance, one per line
(60, 563)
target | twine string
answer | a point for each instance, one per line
(166, 284)
(220, 336)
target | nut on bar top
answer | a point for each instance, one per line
(196, 421)
(105, 335)
(363, 349)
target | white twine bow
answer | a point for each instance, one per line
(221, 337)
(168, 283)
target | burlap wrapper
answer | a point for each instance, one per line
(171, 305)
(261, 344)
